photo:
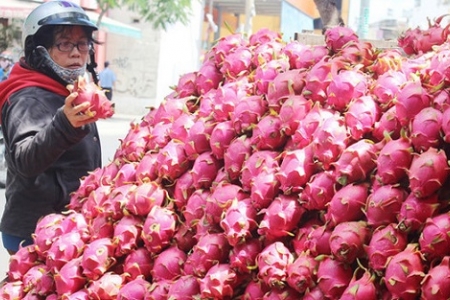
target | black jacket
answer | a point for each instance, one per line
(45, 155)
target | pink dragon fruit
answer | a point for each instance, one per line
(384, 204)
(303, 135)
(411, 99)
(337, 37)
(255, 289)
(127, 234)
(387, 86)
(107, 287)
(70, 278)
(281, 217)
(317, 241)
(428, 172)
(293, 109)
(205, 169)
(208, 77)
(185, 287)
(98, 257)
(388, 123)
(296, 168)
(172, 160)
(222, 196)
(186, 85)
(219, 282)
(301, 274)
(239, 220)
(361, 288)
(235, 155)
(180, 127)
(319, 191)
(386, 241)
(47, 230)
(159, 228)
(346, 86)
(195, 206)
(347, 204)
(418, 41)
(436, 283)
(248, 112)
(264, 187)
(303, 56)
(329, 140)
(243, 255)
(221, 137)
(159, 290)
(361, 115)
(404, 272)
(272, 263)
(394, 159)
(348, 239)
(434, 240)
(143, 197)
(314, 294)
(414, 211)
(255, 163)
(100, 106)
(356, 162)
(285, 84)
(267, 133)
(237, 63)
(318, 79)
(66, 247)
(168, 264)
(211, 248)
(333, 277)
(266, 72)
(20, 262)
(361, 53)
(426, 129)
(12, 290)
(197, 140)
(134, 289)
(139, 262)
(225, 45)
(286, 293)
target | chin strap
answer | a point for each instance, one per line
(92, 65)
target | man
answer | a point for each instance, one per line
(107, 80)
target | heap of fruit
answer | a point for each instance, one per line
(276, 171)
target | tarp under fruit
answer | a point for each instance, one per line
(276, 171)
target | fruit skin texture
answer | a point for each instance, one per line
(428, 172)
(436, 283)
(404, 273)
(100, 107)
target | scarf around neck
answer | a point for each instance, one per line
(22, 77)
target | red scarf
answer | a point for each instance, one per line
(21, 77)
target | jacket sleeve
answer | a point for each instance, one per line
(38, 131)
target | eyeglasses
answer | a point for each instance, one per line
(68, 46)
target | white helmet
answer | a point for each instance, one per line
(57, 12)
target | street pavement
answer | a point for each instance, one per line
(111, 130)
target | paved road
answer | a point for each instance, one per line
(111, 131)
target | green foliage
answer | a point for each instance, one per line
(160, 13)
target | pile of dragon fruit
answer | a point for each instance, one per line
(278, 170)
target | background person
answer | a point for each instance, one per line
(107, 78)
(49, 143)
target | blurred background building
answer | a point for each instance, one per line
(148, 61)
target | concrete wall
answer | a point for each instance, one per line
(148, 67)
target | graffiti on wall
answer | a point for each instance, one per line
(133, 81)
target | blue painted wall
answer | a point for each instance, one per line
(293, 20)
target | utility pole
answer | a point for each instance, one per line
(363, 25)
(249, 14)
